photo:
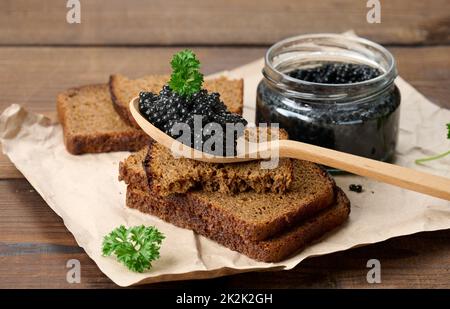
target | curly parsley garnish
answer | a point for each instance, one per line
(439, 156)
(135, 247)
(186, 78)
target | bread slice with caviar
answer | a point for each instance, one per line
(123, 89)
(251, 215)
(266, 227)
(91, 124)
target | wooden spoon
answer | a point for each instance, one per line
(389, 173)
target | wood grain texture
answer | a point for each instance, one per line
(43, 72)
(203, 22)
(7, 168)
(35, 247)
(33, 76)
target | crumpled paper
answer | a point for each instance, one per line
(85, 192)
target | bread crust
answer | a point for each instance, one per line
(279, 247)
(123, 138)
(133, 173)
(119, 106)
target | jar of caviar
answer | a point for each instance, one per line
(332, 91)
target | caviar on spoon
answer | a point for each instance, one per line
(183, 98)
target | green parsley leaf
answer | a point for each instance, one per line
(439, 156)
(135, 247)
(186, 78)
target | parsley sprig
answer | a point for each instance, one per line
(439, 156)
(135, 247)
(186, 78)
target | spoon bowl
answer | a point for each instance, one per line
(254, 150)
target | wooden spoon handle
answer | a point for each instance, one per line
(389, 173)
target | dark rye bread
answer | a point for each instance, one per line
(124, 89)
(91, 125)
(252, 215)
(168, 175)
(184, 214)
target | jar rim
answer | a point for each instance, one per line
(388, 74)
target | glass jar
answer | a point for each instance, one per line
(359, 118)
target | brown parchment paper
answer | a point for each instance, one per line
(85, 192)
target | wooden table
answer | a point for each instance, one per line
(40, 55)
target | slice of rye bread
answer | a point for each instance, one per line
(91, 125)
(184, 213)
(252, 215)
(168, 175)
(124, 89)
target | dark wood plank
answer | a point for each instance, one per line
(203, 22)
(7, 168)
(33, 76)
(35, 247)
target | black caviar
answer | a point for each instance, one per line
(355, 188)
(168, 108)
(365, 126)
(336, 73)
